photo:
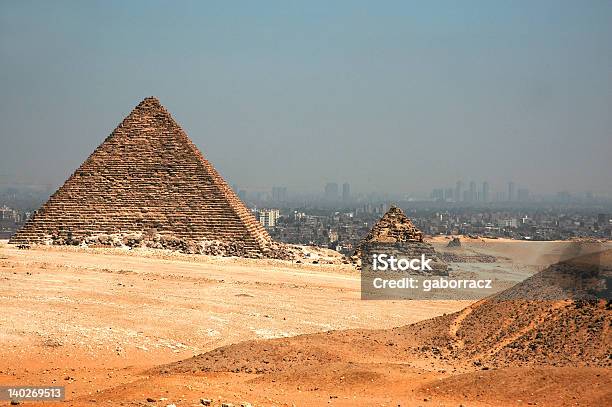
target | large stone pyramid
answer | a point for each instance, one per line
(146, 177)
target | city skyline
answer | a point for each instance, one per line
(281, 193)
(478, 193)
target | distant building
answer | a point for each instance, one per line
(279, 194)
(437, 194)
(509, 223)
(458, 191)
(346, 192)
(603, 219)
(522, 195)
(10, 214)
(485, 192)
(564, 197)
(268, 217)
(368, 208)
(511, 196)
(260, 195)
(5, 213)
(449, 194)
(331, 191)
(473, 194)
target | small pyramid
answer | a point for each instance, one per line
(146, 176)
(394, 227)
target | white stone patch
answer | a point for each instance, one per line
(270, 333)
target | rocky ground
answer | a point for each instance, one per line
(156, 328)
(170, 243)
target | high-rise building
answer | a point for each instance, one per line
(522, 195)
(458, 191)
(346, 192)
(449, 194)
(268, 217)
(511, 196)
(279, 194)
(485, 192)
(564, 197)
(331, 191)
(437, 194)
(473, 195)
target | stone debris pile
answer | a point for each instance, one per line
(467, 258)
(454, 242)
(135, 240)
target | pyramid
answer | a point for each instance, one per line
(146, 177)
(396, 233)
(394, 227)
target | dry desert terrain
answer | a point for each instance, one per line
(113, 326)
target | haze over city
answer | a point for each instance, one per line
(396, 97)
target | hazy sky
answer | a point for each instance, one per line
(389, 96)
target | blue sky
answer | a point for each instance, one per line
(389, 96)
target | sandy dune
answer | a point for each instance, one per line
(100, 317)
(112, 325)
(498, 350)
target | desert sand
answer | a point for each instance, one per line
(118, 327)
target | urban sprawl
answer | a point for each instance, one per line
(339, 220)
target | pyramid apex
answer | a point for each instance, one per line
(150, 101)
(150, 105)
